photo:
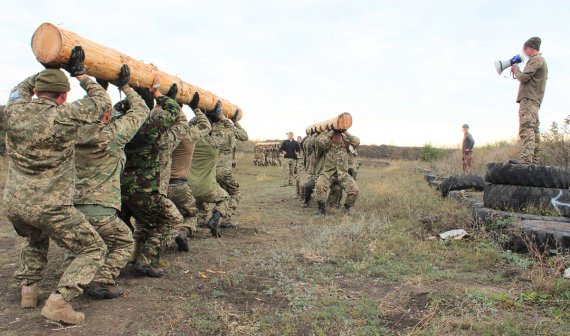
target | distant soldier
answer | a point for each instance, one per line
(467, 149)
(290, 149)
(335, 168)
(179, 191)
(531, 93)
(38, 196)
(100, 160)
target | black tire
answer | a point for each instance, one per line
(545, 234)
(517, 198)
(462, 182)
(528, 175)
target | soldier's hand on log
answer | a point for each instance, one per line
(103, 83)
(76, 65)
(124, 77)
(173, 91)
(195, 100)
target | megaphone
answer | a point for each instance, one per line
(501, 66)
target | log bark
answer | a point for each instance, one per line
(52, 46)
(339, 123)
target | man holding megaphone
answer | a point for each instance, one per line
(531, 92)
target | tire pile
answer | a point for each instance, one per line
(518, 187)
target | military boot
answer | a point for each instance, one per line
(59, 310)
(182, 240)
(321, 211)
(307, 199)
(103, 291)
(147, 270)
(213, 224)
(30, 295)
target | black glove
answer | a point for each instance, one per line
(215, 115)
(236, 116)
(124, 77)
(173, 91)
(76, 65)
(103, 83)
(122, 106)
(146, 96)
(195, 100)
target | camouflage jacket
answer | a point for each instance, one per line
(225, 127)
(532, 79)
(41, 138)
(101, 158)
(336, 160)
(143, 173)
(182, 155)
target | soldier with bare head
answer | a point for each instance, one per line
(38, 197)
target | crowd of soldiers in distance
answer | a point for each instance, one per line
(267, 154)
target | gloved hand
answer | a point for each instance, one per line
(103, 83)
(122, 106)
(195, 100)
(236, 116)
(124, 77)
(76, 65)
(215, 115)
(173, 91)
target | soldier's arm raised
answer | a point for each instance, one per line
(324, 140)
(23, 92)
(199, 126)
(352, 140)
(240, 132)
(529, 70)
(90, 108)
(128, 125)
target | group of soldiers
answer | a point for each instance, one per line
(80, 172)
(267, 154)
(329, 167)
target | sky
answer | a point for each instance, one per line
(410, 72)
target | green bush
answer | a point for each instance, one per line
(430, 153)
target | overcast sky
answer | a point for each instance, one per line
(409, 72)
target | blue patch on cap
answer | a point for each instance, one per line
(78, 103)
(15, 95)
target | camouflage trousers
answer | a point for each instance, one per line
(218, 200)
(155, 216)
(226, 179)
(116, 235)
(467, 161)
(289, 167)
(69, 229)
(181, 196)
(529, 130)
(346, 182)
(335, 195)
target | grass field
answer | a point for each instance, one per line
(287, 272)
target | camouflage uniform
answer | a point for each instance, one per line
(224, 167)
(179, 191)
(335, 168)
(144, 183)
(531, 93)
(38, 197)
(100, 160)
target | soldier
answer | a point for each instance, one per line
(144, 183)
(202, 178)
(290, 149)
(467, 149)
(99, 164)
(224, 168)
(179, 191)
(335, 168)
(38, 196)
(312, 158)
(531, 93)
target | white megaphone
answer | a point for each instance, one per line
(501, 66)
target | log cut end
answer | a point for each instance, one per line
(47, 43)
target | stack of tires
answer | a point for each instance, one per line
(516, 187)
(462, 182)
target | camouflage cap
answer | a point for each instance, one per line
(533, 42)
(52, 80)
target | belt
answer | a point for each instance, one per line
(178, 181)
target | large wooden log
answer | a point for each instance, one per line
(340, 123)
(52, 46)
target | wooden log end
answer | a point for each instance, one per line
(47, 43)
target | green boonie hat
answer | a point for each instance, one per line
(52, 80)
(533, 42)
(465, 126)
